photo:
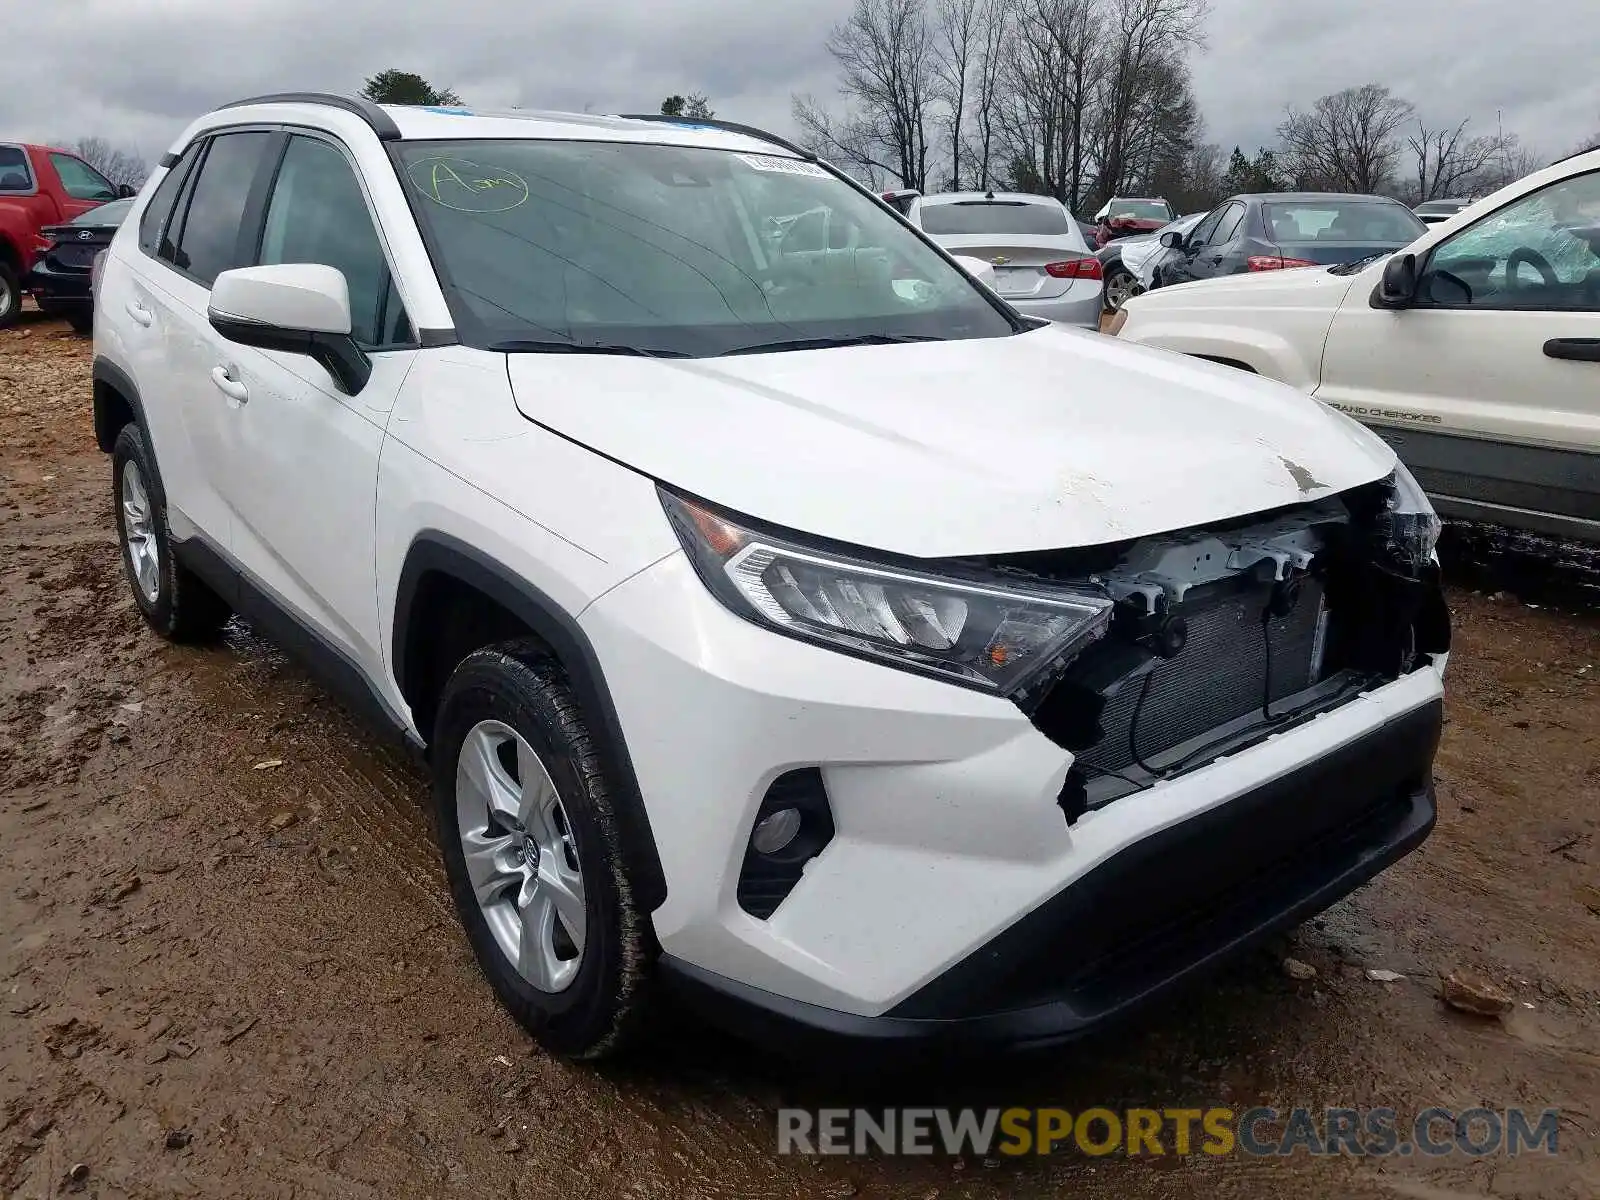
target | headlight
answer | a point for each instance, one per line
(991, 635)
(1408, 526)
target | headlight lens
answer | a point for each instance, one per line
(993, 636)
(1408, 526)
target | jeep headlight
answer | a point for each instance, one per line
(993, 634)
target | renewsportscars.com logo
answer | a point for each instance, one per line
(1259, 1132)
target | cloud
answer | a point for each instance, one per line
(137, 71)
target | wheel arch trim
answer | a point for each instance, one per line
(108, 373)
(435, 552)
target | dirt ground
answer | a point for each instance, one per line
(228, 963)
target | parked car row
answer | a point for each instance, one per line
(1474, 350)
(43, 189)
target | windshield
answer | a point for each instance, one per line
(111, 212)
(1139, 210)
(1343, 221)
(674, 250)
(994, 216)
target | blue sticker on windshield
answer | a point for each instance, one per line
(449, 112)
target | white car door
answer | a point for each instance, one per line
(299, 456)
(1488, 386)
(192, 236)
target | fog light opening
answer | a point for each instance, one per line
(776, 832)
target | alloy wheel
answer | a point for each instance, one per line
(138, 532)
(520, 855)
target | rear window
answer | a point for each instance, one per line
(994, 216)
(1336, 221)
(1139, 210)
(14, 173)
(111, 212)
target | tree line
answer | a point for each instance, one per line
(1088, 99)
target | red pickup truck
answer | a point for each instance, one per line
(39, 186)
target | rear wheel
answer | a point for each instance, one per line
(174, 602)
(10, 295)
(1121, 286)
(533, 853)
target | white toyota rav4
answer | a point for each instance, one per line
(809, 632)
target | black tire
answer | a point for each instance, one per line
(1116, 272)
(600, 1012)
(183, 608)
(81, 319)
(10, 295)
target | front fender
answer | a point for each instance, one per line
(1264, 351)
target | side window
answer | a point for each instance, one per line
(15, 174)
(154, 221)
(318, 214)
(1539, 252)
(206, 242)
(1228, 228)
(82, 181)
(1203, 231)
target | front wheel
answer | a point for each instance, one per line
(1121, 286)
(10, 296)
(533, 853)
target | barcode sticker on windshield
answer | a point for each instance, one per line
(783, 166)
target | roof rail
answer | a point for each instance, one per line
(761, 135)
(381, 122)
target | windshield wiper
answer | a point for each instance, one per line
(828, 343)
(1360, 264)
(537, 346)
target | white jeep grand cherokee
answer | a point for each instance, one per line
(806, 632)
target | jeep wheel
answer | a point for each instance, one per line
(176, 603)
(10, 295)
(532, 853)
(1121, 286)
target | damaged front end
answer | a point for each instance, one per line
(1224, 635)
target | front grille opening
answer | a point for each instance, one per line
(1192, 670)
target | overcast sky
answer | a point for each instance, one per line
(136, 71)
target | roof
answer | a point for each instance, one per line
(1315, 197)
(393, 122)
(981, 197)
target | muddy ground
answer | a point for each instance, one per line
(220, 976)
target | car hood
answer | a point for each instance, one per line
(1297, 285)
(1049, 439)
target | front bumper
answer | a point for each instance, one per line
(948, 825)
(1150, 917)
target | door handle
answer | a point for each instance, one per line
(229, 386)
(140, 313)
(1575, 349)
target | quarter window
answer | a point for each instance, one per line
(15, 175)
(154, 221)
(318, 214)
(81, 181)
(207, 243)
(1539, 252)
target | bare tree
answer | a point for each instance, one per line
(957, 46)
(116, 164)
(1450, 162)
(1348, 142)
(885, 54)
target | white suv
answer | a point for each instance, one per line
(806, 632)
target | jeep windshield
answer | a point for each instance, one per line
(674, 251)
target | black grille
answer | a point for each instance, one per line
(1219, 676)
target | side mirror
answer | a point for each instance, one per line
(980, 270)
(1398, 287)
(126, 190)
(297, 308)
(1172, 239)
